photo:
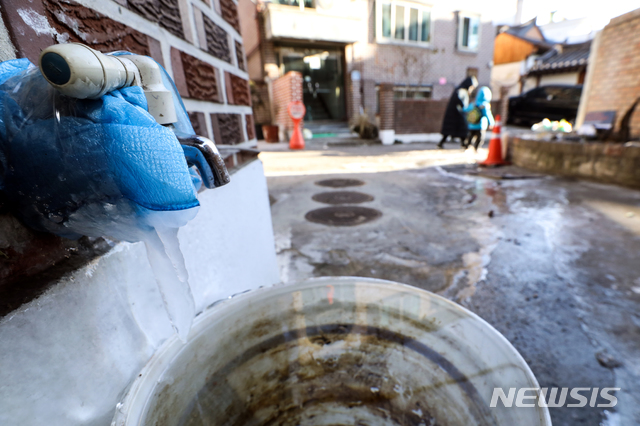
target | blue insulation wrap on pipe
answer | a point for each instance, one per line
(60, 155)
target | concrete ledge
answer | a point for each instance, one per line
(602, 162)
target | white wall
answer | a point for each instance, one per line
(506, 75)
(565, 78)
(67, 357)
(545, 80)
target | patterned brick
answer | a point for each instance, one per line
(286, 89)
(27, 42)
(199, 123)
(178, 73)
(229, 12)
(237, 90)
(251, 130)
(227, 129)
(76, 23)
(217, 40)
(165, 13)
(201, 79)
(240, 56)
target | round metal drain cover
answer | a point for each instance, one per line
(339, 183)
(342, 197)
(343, 215)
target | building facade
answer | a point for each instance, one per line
(612, 83)
(345, 50)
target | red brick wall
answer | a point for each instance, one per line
(615, 83)
(419, 116)
(286, 89)
(204, 52)
(387, 107)
(207, 57)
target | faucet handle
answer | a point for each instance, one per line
(203, 153)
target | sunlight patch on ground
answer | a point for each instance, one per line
(338, 162)
(623, 214)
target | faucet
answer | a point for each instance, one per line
(78, 71)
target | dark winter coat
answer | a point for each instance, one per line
(455, 121)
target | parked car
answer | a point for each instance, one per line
(554, 102)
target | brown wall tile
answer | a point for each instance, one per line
(240, 56)
(155, 50)
(201, 79)
(217, 40)
(199, 123)
(229, 12)
(227, 128)
(27, 42)
(178, 72)
(237, 90)
(165, 13)
(251, 130)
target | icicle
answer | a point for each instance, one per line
(167, 263)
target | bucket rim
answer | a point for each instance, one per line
(130, 410)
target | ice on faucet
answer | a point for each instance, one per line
(99, 167)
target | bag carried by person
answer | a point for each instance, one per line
(474, 116)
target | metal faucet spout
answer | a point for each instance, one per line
(203, 154)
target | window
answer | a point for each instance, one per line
(401, 22)
(305, 3)
(411, 92)
(405, 92)
(468, 32)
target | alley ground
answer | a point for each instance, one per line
(551, 263)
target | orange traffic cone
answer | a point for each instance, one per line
(296, 112)
(495, 148)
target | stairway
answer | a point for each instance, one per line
(316, 110)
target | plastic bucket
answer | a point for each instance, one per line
(339, 351)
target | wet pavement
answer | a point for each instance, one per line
(551, 263)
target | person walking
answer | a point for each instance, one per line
(479, 117)
(454, 124)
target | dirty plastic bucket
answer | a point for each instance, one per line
(333, 351)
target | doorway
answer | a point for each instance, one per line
(322, 72)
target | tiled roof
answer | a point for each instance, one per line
(563, 57)
(522, 30)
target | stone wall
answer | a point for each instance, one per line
(609, 163)
(614, 81)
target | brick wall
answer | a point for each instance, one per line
(419, 116)
(197, 42)
(615, 83)
(387, 107)
(286, 89)
(200, 46)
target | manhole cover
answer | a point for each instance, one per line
(339, 183)
(343, 215)
(342, 197)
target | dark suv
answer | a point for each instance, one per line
(554, 102)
